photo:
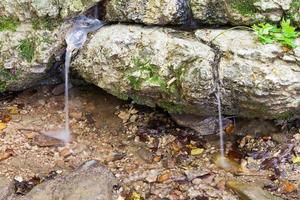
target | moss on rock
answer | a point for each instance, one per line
(27, 49)
(8, 24)
(244, 7)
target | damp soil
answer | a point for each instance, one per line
(152, 156)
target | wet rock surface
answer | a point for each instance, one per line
(151, 156)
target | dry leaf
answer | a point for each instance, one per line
(288, 187)
(135, 196)
(13, 110)
(296, 159)
(164, 176)
(2, 126)
(6, 118)
(197, 151)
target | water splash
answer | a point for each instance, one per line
(75, 39)
(221, 129)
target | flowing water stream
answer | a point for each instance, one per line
(75, 39)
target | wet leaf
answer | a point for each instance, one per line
(227, 164)
(2, 126)
(288, 187)
(197, 151)
(229, 130)
(250, 192)
(296, 159)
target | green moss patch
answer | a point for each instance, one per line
(6, 76)
(145, 74)
(244, 7)
(45, 23)
(27, 49)
(8, 24)
(293, 13)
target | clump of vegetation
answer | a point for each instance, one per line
(27, 49)
(244, 7)
(285, 34)
(293, 12)
(44, 23)
(5, 76)
(8, 23)
(145, 73)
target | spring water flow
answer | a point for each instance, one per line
(75, 39)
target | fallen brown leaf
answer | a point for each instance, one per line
(164, 176)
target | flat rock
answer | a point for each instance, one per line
(203, 126)
(6, 188)
(90, 181)
(250, 192)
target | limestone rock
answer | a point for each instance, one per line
(6, 188)
(239, 12)
(154, 66)
(174, 70)
(27, 55)
(25, 10)
(91, 181)
(148, 11)
(258, 80)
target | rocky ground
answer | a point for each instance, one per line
(151, 156)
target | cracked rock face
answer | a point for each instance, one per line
(258, 80)
(27, 55)
(25, 10)
(154, 66)
(173, 69)
(148, 11)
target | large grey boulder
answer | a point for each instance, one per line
(175, 70)
(258, 80)
(148, 11)
(211, 12)
(239, 12)
(27, 54)
(91, 181)
(25, 10)
(154, 66)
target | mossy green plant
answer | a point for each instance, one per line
(8, 24)
(44, 23)
(244, 7)
(6, 76)
(172, 107)
(286, 34)
(287, 115)
(293, 13)
(27, 49)
(145, 74)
